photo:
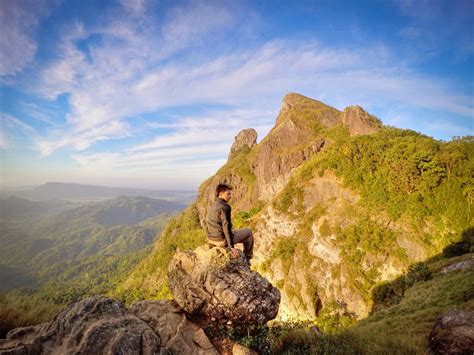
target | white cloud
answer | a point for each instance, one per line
(82, 139)
(12, 129)
(9, 121)
(189, 23)
(18, 22)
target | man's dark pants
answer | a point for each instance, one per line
(245, 237)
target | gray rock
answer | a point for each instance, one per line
(453, 333)
(207, 282)
(97, 325)
(177, 333)
(100, 325)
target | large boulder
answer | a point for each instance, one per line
(100, 325)
(453, 333)
(177, 333)
(207, 282)
(97, 325)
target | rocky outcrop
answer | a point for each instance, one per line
(176, 332)
(207, 282)
(246, 138)
(100, 325)
(359, 121)
(453, 333)
(461, 265)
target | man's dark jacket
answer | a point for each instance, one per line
(219, 226)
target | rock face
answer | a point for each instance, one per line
(359, 121)
(100, 325)
(453, 333)
(245, 138)
(207, 282)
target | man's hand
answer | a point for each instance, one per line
(234, 253)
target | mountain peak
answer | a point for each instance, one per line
(299, 104)
(294, 100)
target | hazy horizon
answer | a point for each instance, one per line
(150, 94)
(157, 188)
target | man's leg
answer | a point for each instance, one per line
(245, 237)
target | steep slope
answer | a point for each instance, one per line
(338, 203)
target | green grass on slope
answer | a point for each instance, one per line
(149, 279)
(408, 324)
(22, 308)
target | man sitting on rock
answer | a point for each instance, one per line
(219, 225)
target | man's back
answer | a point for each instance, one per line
(219, 226)
(218, 222)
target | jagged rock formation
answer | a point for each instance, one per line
(100, 325)
(453, 333)
(245, 138)
(207, 282)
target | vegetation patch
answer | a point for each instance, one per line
(149, 279)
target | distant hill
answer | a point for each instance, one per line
(70, 191)
(15, 207)
(85, 238)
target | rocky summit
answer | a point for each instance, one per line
(100, 325)
(205, 281)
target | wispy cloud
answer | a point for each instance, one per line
(12, 127)
(3, 140)
(82, 139)
(18, 22)
(11, 122)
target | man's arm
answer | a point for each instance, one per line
(227, 226)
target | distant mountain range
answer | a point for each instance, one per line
(71, 191)
(16, 207)
(39, 245)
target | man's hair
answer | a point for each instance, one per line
(221, 188)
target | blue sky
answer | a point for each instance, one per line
(151, 93)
